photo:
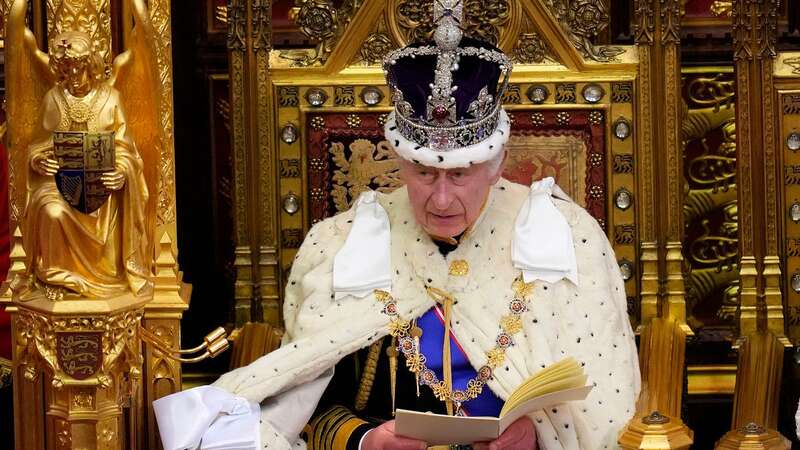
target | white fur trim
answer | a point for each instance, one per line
(588, 322)
(797, 422)
(460, 157)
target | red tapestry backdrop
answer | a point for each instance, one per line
(347, 155)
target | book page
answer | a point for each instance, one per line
(437, 429)
(545, 401)
(564, 374)
(561, 382)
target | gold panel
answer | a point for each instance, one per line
(710, 205)
(711, 379)
(761, 339)
(789, 122)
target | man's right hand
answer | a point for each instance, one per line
(383, 438)
(45, 164)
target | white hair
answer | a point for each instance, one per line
(496, 163)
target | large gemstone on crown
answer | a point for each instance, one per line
(440, 112)
(439, 140)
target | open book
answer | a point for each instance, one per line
(558, 383)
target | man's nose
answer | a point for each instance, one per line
(442, 193)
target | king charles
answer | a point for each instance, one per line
(516, 277)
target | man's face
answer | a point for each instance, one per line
(447, 201)
(77, 79)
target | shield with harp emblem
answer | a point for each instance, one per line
(83, 158)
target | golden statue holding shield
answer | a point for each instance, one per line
(91, 202)
(85, 225)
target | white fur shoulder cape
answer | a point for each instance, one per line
(587, 321)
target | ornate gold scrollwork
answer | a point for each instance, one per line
(716, 169)
(160, 17)
(583, 20)
(794, 63)
(531, 49)
(321, 21)
(67, 348)
(710, 208)
(90, 17)
(717, 91)
(494, 21)
(375, 47)
(5, 373)
(722, 8)
(718, 247)
(235, 14)
(750, 41)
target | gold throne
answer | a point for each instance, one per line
(583, 113)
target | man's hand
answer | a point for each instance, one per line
(45, 164)
(113, 180)
(520, 435)
(383, 438)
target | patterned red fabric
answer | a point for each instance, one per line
(5, 247)
(345, 129)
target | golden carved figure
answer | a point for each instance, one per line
(94, 252)
(369, 164)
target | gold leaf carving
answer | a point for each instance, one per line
(583, 20)
(83, 399)
(36, 340)
(531, 49)
(324, 23)
(375, 47)
(367, 165)
(93, 17)
(711, 243)
(722, 8)
(160, 16)
(493, 21)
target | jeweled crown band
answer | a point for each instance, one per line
(460, 105)
(443, 139)
(436, 134)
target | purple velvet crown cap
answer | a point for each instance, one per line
(414, 76)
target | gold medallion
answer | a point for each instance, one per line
(459, 268)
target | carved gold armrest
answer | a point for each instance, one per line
(252, 341)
